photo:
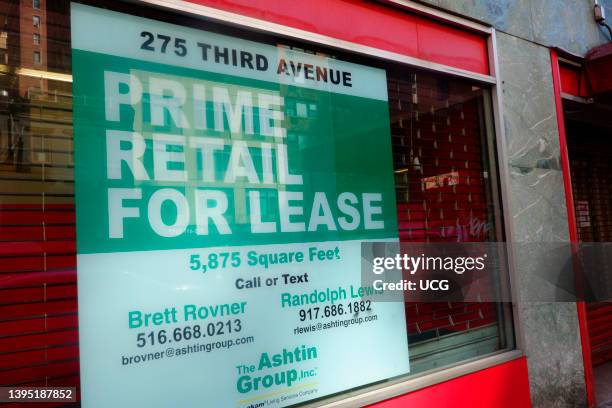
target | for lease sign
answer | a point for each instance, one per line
(223, 188)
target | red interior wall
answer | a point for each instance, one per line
(570, 80)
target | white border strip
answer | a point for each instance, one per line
(579, 99)
(570, 62)
(261, 25)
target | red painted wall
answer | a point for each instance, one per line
(361, 21)
(502, 386)
(570, 80)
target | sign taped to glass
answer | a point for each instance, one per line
(214, 187)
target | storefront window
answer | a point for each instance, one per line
(215, 185)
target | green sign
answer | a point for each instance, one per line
(223, 188)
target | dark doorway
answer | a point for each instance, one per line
(589, 137)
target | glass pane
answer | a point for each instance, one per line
(430, 132)
(444, 194)
(38, 294)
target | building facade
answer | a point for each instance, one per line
(466, 121)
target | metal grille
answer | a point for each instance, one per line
(591, 169)
(441, 184)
